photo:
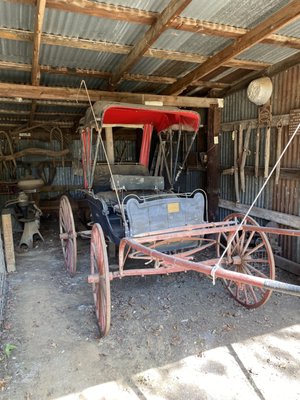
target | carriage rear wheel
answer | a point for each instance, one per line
(101, 289)
(249, 253)
(68, 235)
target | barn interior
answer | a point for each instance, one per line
(232, 68)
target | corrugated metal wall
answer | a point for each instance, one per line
(284, 197)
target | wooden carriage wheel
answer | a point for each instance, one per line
(101, 289)
(250, 253)
(68, 235)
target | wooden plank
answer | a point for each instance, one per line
(167, 80)
(2, 261)
(213, 170)
(101, 46)
(8, 241)
(270, 71)
(229, 126)
(287, 265)
(174, 8)
(273, 23)
(54, 93)
(39, 18)
(133, 15)
(292, 221)
(109, 145)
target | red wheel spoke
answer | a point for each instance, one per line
(257, 271)
(258, 260)
(248, 242)
(251, 289)
(246, 295)
(260, 245)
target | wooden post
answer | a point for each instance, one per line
(213, 168)
(109, 145)
(2, 262)
(8, 241)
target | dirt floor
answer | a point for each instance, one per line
(173, 337)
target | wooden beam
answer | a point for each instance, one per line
(8, 240)
(39, 18)
(35, 72)
(174, 8)
(270, 71)
(51, 103)
(133, 15)
(287, 265)
(213, 170)
(109, 145)
(166, 80)
(55, 93)
(292, 221)
(100, 46)
(276, 21)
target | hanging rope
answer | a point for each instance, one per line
(100, 141)
(218, 265)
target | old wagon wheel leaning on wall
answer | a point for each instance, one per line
(101, 287)
(249, 253)
(68, 235)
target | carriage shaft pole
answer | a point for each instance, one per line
(202, 267)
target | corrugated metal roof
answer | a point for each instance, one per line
(147, 5)
(15, 51)
(292, 30)
(72, 81)
(145, 87)
(58, 56)
(84, 26)
(176, 40)
(239, 13)
(15, 106)
(155, 66)
(13, 76)
(61, 109)
(267, 53)
(17, 15)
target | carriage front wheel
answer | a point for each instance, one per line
(68, 235)
(101, 289)
(249, 253)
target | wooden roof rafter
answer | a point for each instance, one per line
(276, 21)
(132, 15)
(35, 72)
(103, 74)
(174, 8)
(101, 46)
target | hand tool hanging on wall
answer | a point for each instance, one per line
(257, 142)
(236, 168)
(264, 120)
(244, 156)
(278, 151)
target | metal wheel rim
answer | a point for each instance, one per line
(247, 295)
(66, 225)
(101, 290)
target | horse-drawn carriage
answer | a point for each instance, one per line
(167, 231)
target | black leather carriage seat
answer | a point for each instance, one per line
(102, 173)
(165, 212)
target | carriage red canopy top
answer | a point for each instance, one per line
(133, 114)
